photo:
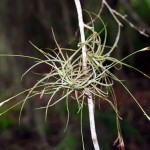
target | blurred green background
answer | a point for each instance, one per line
(22, 21)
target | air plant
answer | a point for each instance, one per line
(68, 80)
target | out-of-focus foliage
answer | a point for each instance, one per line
(7, 123)
(142, 8)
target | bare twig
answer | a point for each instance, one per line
(142, 30)
(98, 14)
(136, 18)
(81, 28)
(84, 65)
(114, 13)
(92, 122)
(119, 26)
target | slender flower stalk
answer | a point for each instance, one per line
(84, 65)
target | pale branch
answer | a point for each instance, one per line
(136, 18)
(114, 13)
(132, 13)
(81, 28)
(92, 122)
(98, 14)
(84, 65)
(119, 26)
(141, 31)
